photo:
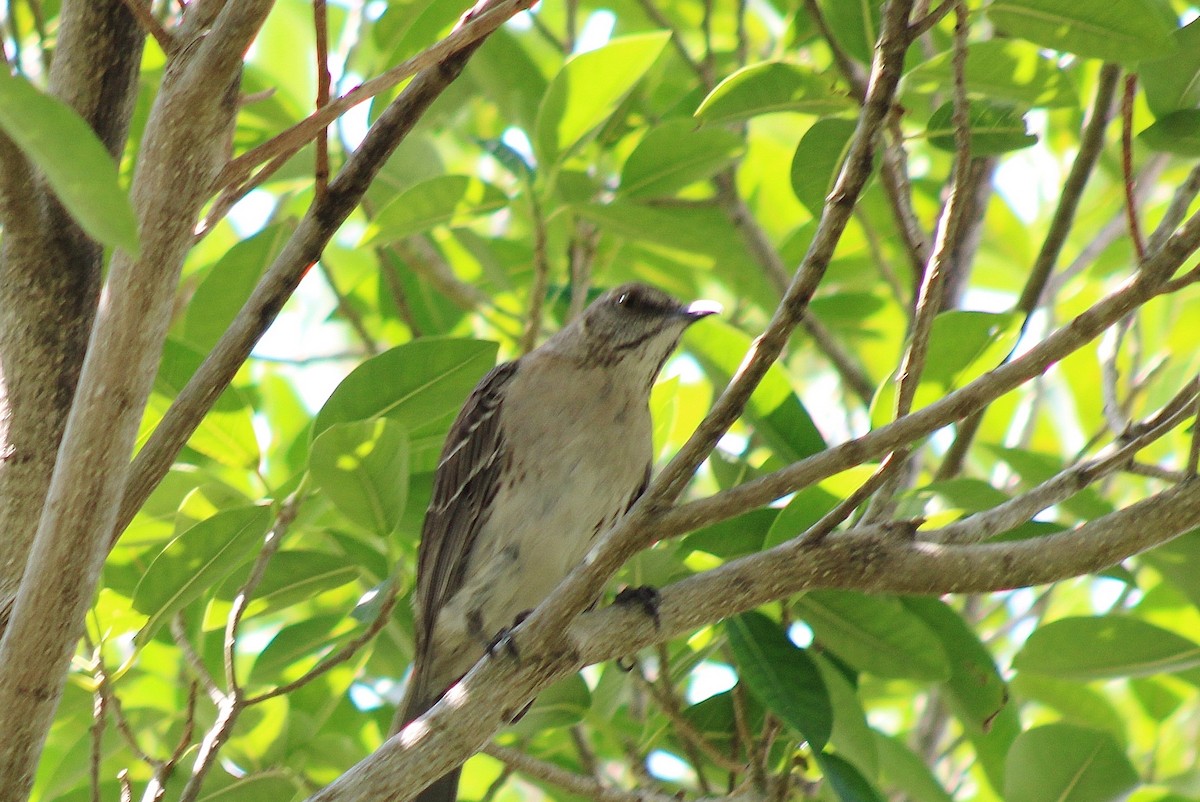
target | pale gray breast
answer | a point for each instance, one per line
(579, 445)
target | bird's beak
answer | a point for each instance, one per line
(698, 309)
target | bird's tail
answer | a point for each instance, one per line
(417, 699)
(444, 789)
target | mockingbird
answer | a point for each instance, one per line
(548, 451)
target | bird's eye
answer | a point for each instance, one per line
(622, 298)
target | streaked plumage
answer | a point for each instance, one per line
(547, 452)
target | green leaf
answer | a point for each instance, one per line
(1125, 31)
(962, 346)
(975, 690)
(421, 385)
(675, 155)
(847, 782)
(855, 25)
(774, 410)
(306, 639)
(672, 231)
(994, 128)
(1065, 763)
(1102, 647)
(908, 772)
(1000, 69)
(450, 200)
(804, 509)
(292, 577)
(562, 705)
(1176, 560)
(1076, 702)
(225, 434)
(1173, 83)
(362, 467)
(852, 737)
(781, 676)
(714, 718)
(1177, 132)
(77, 166)
(771, 86)
(818, 161)
(220, 296)
(196, 561)
(738, 536)
(874, 634)
(588, 89)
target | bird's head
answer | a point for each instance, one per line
(634, 327)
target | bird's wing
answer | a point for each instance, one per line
(466, 483)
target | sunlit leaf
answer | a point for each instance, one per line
(446, 200)
(874, 634)
(196, 561)
(1112, 30)
(994, 128)
(1067, 764)
(781, 675)
(588, 89)
(77, 166)
(362, 467)
(421, 385)
(1105, 646)
(674, 155)
(771, 86)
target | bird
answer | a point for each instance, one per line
(548, 451)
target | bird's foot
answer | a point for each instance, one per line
(503, 640)
(643, 596)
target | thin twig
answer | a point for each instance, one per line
(1022, 508)
(1131, 210)
(347, 309)
(141, 12)
(241, 600)
(888, 469)
(582, 255)
(465, 37)
(321, 30)
(341, 655)
(925, 24)
(1091, 142)
(750, 744)
(929, 297)
(1177, 209)
(99, 718)
(850, 69)
(1110, 375)
(541, 277)
(660, 19)
(302, 250)
(664, 694)
(1193, 461)
(193, 660)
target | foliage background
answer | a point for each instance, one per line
(250, 628)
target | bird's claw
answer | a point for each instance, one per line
(503, 639)
(644, 596)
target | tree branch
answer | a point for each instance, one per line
(301, 251)
(50, 274)
(176, 163)
(870, 558)
(955, 406)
